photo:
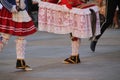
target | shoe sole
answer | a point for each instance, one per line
(64, 62)
(26, 69)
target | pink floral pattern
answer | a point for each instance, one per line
(60, 20)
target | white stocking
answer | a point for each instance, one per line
(75, 47)
(4, 40)
(20, 47)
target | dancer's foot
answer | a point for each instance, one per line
(20, 64)
(93, 45)
(72, 60)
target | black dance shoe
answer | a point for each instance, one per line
(20, 64)
(93, 45)
(72, 60)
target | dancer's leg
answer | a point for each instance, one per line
(74, 58)
(20, 51)
(3, 40)
(110, 11)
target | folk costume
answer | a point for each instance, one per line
(61, 18)
(15, 21)
(75, 42)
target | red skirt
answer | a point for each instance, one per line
(7, 25)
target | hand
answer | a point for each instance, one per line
(1, 6)
(22, 4)
(14, 10)
(18, 8)
(66, 8)
(35, 1)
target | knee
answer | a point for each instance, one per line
(74, 38)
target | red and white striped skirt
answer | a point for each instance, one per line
(7, 25)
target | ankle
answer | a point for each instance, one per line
(94, 39)
(20, 64)
(74, 54)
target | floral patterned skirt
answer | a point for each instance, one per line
(58, 19)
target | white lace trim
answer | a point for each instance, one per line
(61, 20)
